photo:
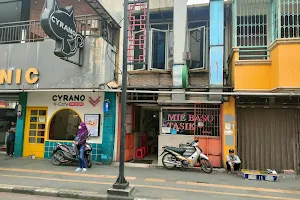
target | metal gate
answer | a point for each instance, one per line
(207, 130)
(269, 138)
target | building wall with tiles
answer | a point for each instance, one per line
(103, 146)
(104, 152)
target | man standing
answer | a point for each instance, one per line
(233, 162)
(11, 139)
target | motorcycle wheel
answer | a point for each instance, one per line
(55, 161)
(206, 166)
(168, 165)
(88, 160)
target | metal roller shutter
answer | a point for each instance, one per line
(268, 138)
(9, 96)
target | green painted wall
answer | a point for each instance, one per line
(21, 126)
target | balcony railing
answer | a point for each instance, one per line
(31, 31)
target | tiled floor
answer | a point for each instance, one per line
(152, 157)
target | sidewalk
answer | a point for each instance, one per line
(42, 178)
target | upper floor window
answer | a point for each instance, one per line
(288, 18)
(161, 46)
(252, 28)
(197, 44)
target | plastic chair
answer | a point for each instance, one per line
(147, 149)
(139, 153)
(144, 150)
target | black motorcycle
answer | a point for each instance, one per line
(69, 154)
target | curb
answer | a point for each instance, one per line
(63, 193)
(192, 169)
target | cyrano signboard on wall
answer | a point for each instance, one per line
(68, 100)
(60, 25)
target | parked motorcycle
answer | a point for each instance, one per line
(68, 154)
(173, 157)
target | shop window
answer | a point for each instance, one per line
(200, 121)
(64, 125)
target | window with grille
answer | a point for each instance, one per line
(251, 21)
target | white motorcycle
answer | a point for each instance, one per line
(173, 157)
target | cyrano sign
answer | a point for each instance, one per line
(59, 24)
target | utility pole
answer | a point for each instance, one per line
(121, 186)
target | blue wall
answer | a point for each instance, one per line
(19, 141)
(101, 152)
(109, 126)
(216, 42)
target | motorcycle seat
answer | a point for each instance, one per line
(177, 150)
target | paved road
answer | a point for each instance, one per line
(150, 182)
(12, 196)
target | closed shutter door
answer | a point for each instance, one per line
(266, 138)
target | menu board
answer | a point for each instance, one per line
(92, 122)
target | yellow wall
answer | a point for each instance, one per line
(289, 65)
(279, 72)
(235, 56)
(229, 135)
(252, 76)
(274, 73)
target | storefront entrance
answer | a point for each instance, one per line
(142, 131)
(8, 113)
(35, 131)
(201, 121)
(269, 138)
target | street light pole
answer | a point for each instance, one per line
(121, 182)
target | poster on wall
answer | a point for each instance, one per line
(92, 122)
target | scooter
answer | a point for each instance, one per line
(67, 154)
(173, 157)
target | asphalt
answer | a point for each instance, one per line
(40, 177)
(12, 196)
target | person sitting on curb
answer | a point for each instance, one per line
(233, 162)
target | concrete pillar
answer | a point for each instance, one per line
(20, 126)
(228, 127)
(216, 44)
(179, 28)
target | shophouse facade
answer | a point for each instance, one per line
(55, 94)
(264, 58)
(185, 53)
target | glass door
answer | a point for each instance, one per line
(158, 49)
(35, 132)
(197, 45)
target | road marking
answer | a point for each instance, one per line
(158, 187)
(151, 180)
(238, 187)
(155, 180)
(64, 173)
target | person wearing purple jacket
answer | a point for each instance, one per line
(80, 141)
